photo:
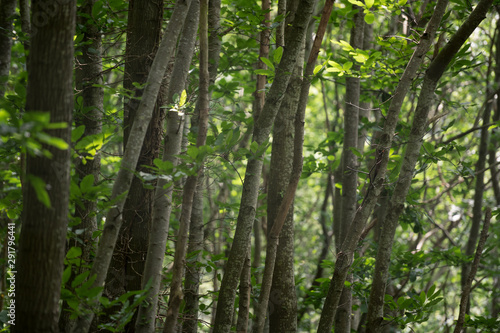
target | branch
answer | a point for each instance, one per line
(467, 288)
(461, 135)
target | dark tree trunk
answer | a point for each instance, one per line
(43, 233)
(7, 10)
(143, 36)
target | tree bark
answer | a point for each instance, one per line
(90, 104)
(43, 234)
(254, 168)
(283, 303)
(131, 153)
(289, 192)
(143, 37)
(396, 205)
(467, 286)
(7, 11)
(350, 166)
(377, 178)
(176, 292)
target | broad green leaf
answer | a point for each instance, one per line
(182, 101)
(267, 62)
(355, 152)
(66, 275)
(254, 146)
(357, 3)
(422, 297)
(77, 133)
(369, 18)
(317, 69)
(361, 57)
(277, 55)
(87, 183)
(79, 279)
(266, 72)
(335, 67)
(192, 151)
(345, 45)
(39, 186)
(347, 66)
(369, 3)
(74, 252)
(53, 141)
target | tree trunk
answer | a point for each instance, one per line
(143, 37)
(131, 154)
(176, 292)
(283, 300)
(375, 185)
(43, 233)
(419, 126)
(90, 104)
(162, 207)
(254, 168)
(7, 11)
(194, 252)
(349, 167)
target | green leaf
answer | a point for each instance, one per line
(53, 141)
(87, 183)
(192, 152)
(317, 69)
(79, 279)
(77, 133)
(431, 290)
(277, 55)
(345, 45)
(355, 152)
(357, 3)
(361, 56)
(266, 72)
(347, 66)
(60, 125)
(335, 67)
(39, 186)
(267, 62)
(66, 275)
(182, 101)
(74, 252)
(422, 297)
(369, 18)
(369, 3)
(254, 146)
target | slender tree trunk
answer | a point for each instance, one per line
(349, 167)
(245, 290)
(254, 168)
(467, 286)
(7, 11)
(88, 74)
(90, 104)
(283, 302)
(289, 193)
(131, 154)
(43, 233)
(162, 206)
(396, 205)
(479, 189)
(377, 179)
(143, 37)
(176, 292)
(194, 252)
